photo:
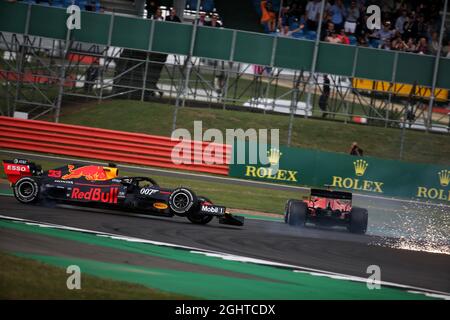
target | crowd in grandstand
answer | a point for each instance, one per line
(154, 12)
(411, 26)
(407, 25)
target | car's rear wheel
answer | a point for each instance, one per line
(26, 190)
(296, 213)
(181, 200)
(358, 220)
(286, 210)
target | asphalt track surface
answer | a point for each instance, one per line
(327, 250)
(427, 223)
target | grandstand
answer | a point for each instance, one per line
(224, 68)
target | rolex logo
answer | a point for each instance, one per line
(274, 156)
(360, 167)
(444, 177)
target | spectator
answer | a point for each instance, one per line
(172, 17)
(413, 19)
(352, 16)
(445, 48)
(151, 6)
(411, 45)
(333, 38)
(90, 5)
(158, 15)
(363, 41)
(422, 27)
(362, 31)
(215, 22)
(385, 34)
(410, 26)
(268, 16)
(295, 12)
(313, 14)
(434, 43)
(397, 42)
(401, 21)
(202, 19)
(422, 47)
(328, 31)
(296, 28)
(355, 150)
(284, 19)
(343, 37)
(337, 14)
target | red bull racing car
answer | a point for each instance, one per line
(98, 186)
(326, 207)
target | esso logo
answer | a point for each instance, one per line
(17, 168)
(148, 192)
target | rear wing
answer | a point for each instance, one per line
(329, 194)
(18, 168)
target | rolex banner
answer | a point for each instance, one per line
(341, 171)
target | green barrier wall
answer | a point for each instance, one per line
(358, 174)
(224, 44)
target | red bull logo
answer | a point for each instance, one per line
(92, 173)
(95, 194)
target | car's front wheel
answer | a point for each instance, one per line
(26, 190)
(181, 201)
(198, 218)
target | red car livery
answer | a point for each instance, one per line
(326, 207)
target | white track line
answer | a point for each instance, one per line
(233, 257)
(220, 178)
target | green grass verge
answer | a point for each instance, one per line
(156, 118)
(23, 278)
(230, 195)
(273, 282)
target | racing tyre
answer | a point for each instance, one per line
(286, 210)
(296, 213)
(181, 201)
(197, 218)
(26, 190)
(358, 220)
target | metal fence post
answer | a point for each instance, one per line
(436, 67)
(293, 108)
(269, 80)
(191, 52)
(150, 44)
(392, 86)
(188, 65)
(62, 77)
(105, 55)
(20, 57)
(230, 67)
(315, 55)
(354, 66)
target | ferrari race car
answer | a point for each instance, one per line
(326, 207)
(98, 186)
